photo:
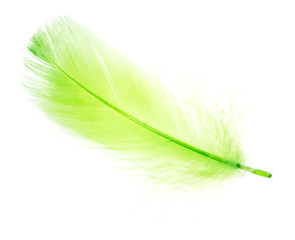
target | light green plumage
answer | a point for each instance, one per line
(86, 85)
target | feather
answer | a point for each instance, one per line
(86, 85)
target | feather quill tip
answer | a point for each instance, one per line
(256, 171)
(262, 173)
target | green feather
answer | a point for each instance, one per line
(86, 85)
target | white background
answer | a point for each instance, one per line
(53, 188)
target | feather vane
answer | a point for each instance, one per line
(86, 85)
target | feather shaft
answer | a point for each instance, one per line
(160, 133)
